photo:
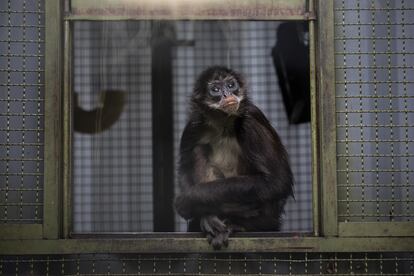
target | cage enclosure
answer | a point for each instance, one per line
(94, 95)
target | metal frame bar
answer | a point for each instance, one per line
(314, 124)
(188, 10)
(185, 244)
(377, 229)
(53, 133)
(20, 231)
(327, 116)
(67, 131)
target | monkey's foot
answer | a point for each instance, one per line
(216, 231)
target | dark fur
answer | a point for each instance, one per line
(254, 199)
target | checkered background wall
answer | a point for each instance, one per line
(113, 169)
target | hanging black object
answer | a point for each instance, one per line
(291, 60)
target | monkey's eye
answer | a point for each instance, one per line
(214, 91)
(230, 84)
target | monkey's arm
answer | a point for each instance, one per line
(233, 196)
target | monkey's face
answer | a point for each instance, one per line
(222, 90)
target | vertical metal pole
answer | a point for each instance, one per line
(314, 122)
(327, 117)
(162, 127)
(67, 131)
(53, 130)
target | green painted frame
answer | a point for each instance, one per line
(50, 227)
(53, 237)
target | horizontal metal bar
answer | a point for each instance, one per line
(374, 97)
(21, 26)
(375, 9)
(373, 38)
(20, 204)
(372, 82)
(20, 11)
(22, 41)
(21, 159)
(21, 174)
(375, 67)
(21, 189)
(376, 201)
(22, 221)
(21, 144)
(22, 129)
(21, 71)
(375, 24)
(19, 231)
(377, 170)
(382, 185)
(198, 245)
(21, 114)
(187, 10)
(217, 259)
(376, 141)
(384, 229)
(20, 55)
(21, 100)
(375, 111)
(21, 84)
(374, 126)
(373, 53)
(375, 155)
(304, 17)
(400, 215)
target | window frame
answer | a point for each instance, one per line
(329, 235)
(83, 10)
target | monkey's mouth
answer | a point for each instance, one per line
(230, 105)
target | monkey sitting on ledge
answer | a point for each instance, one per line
(233, 170)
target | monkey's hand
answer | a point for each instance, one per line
(217, 232)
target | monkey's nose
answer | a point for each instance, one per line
(226, 94)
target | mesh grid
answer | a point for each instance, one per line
(113, 169)
(21, 111)
(112, 189)
(212, 264)
(375, 115)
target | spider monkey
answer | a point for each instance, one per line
(233, 170)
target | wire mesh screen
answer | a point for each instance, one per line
(212, 264)
(375, 117)
(21, 111)
(112, 167)
(113, 177)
